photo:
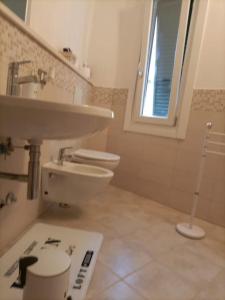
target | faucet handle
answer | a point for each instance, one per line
(63, 149)
(42, 76)
(23, 62)
(68, 147)
(14, 66)
(61, 154)
(19, 63)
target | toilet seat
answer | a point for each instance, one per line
(96, 155)
(93, 157)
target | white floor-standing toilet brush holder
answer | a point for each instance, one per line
(189, 229)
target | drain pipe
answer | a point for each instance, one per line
(33, 170)
(32, 178)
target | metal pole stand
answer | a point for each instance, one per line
(189, 229)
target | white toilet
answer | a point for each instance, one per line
(97, 158)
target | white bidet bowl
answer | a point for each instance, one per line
(71, 182)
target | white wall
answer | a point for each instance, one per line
(106, 34)
(62, 23)
(103, 33)
(115, 24)
(211, 71)
(114, 44)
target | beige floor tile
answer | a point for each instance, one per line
(76, 217)
(114, 193)
(141, 245)
(126, 224)
(190, 265)
(218, 233)
(208, 227)
(63, 216)
(121, 258)
(211, 249)
(119, 291)
(122, 225)
(96, 227)
(66, 216)
(147, 220)
(161, 211)
(157, 239)
(102, 279)
(156, 282)
(215, 290)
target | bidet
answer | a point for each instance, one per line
(72, 182)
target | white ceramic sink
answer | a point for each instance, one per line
(33, 119)
(71, 183)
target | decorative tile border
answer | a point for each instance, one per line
(105, 97)
(102, 96)
(120, 96)
(209, 100)
(203, 100)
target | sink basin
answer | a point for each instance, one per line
(33, 119)
(71, 183)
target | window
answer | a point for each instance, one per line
(170, 27)
(161, 61)
(161, 58)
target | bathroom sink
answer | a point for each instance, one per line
(71, 183)
(33, 119)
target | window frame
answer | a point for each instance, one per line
(28, 12)
(176, 125)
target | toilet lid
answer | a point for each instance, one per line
(96, 155)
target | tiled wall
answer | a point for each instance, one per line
(166, 169)
(15, 45)
(104, 97)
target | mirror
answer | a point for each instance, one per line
(19, 7)
(63, 24)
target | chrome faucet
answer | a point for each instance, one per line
(61, 155)
(13, 76)
(14, 81)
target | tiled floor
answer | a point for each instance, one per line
(143, 258)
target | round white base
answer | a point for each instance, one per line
(193, 232)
